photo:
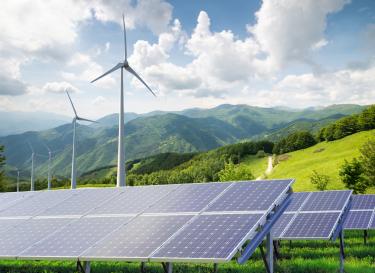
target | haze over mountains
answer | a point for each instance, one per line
(157, 132)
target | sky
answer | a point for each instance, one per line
(198, 53)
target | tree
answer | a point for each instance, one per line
(231, 172)
(368, 161)
(320, 181)
(367, 118)
(2, 163)
(352, 175)
(293, 142)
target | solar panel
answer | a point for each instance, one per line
(188, 198)
(74, 238)
(16, 239)
(133, 199)
(251, 196)
(281, 224)
(363, 202)
(81, 201)
(312, 226)
(372, 224)
(6, 224)
(138, 239)
(326, 200)
(306, 208)
(298, 198)
(10, 198)
(358, 219)
(36, 203)
(209, 237)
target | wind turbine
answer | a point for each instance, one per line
(49, 167)
(18, 180)
(76, 117)
(121, 148)
(32, 184)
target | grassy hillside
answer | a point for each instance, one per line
(325, 157)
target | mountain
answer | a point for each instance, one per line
(148, 134)
(18, 122)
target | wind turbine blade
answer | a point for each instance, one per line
(45, 145)
(129, 69)
(125, 45)
(85, 119)
(117, 66)
(71, 102)
(31, 147)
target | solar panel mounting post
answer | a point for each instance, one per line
(342, 253)
(365, 236)
(269, 243)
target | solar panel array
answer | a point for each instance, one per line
(312, 215)
(204, 222)
(362, 213)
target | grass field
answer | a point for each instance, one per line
(325, 158)
(303, 256)
(255, 164)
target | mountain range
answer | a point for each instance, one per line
(157, 132)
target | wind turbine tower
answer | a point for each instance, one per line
(75, 119)
(32, 182)
(121, 175)
(49, 167)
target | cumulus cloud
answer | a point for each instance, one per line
(59, 87)
(288, 30)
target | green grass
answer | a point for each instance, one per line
(303, 256)
(328, 160)
(255, 164)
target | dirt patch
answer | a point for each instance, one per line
(283, 157)
(319, 150)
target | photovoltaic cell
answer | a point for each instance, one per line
(36, 203)
(133, 200)
(250, 196)
(15, 240)
(209, 237)
(6, 224)
(10, 198)
(363, 201)
(81, 202)
(281, 224)
(358, 219)
(137, 239)
(326, 200)
(312, 226)
(298, 198)
(74, 238)
(188, 198)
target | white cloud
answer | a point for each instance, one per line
(59, 87)
(11, 87)
(287, 30)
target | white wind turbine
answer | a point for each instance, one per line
(76, 117)
(121, 148)
(49, 167)
(32, 182)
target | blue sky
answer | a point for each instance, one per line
(192, 53)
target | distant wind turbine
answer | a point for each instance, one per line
(121, 148)
(18, 180)
(49, 167)
(32, 182)
(76, 117)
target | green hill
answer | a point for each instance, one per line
(325, 157)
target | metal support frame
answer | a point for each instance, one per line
(342, 253)
(143, 267)
(340, 225)
(168, 267)
(266, 229)
(215, 268)
(365, 236)
(264, 258)
(269, 243)
(83, 268)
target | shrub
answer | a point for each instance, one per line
(261, 154)
(231, 172)
(368, 161)
(352, 176)
(320, 181)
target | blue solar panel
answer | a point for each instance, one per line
(297, 200)
(358, 219)
(327, 200)
(312, 226)
(365, 201)
(74, 238)
(138, 239)
(6, 224)
(82, 201)
(281, 224)
(16, 239)
(251, 196)
(11, 198)
(209, 237)
(133, 200)
(36, 203)
(189, 198)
